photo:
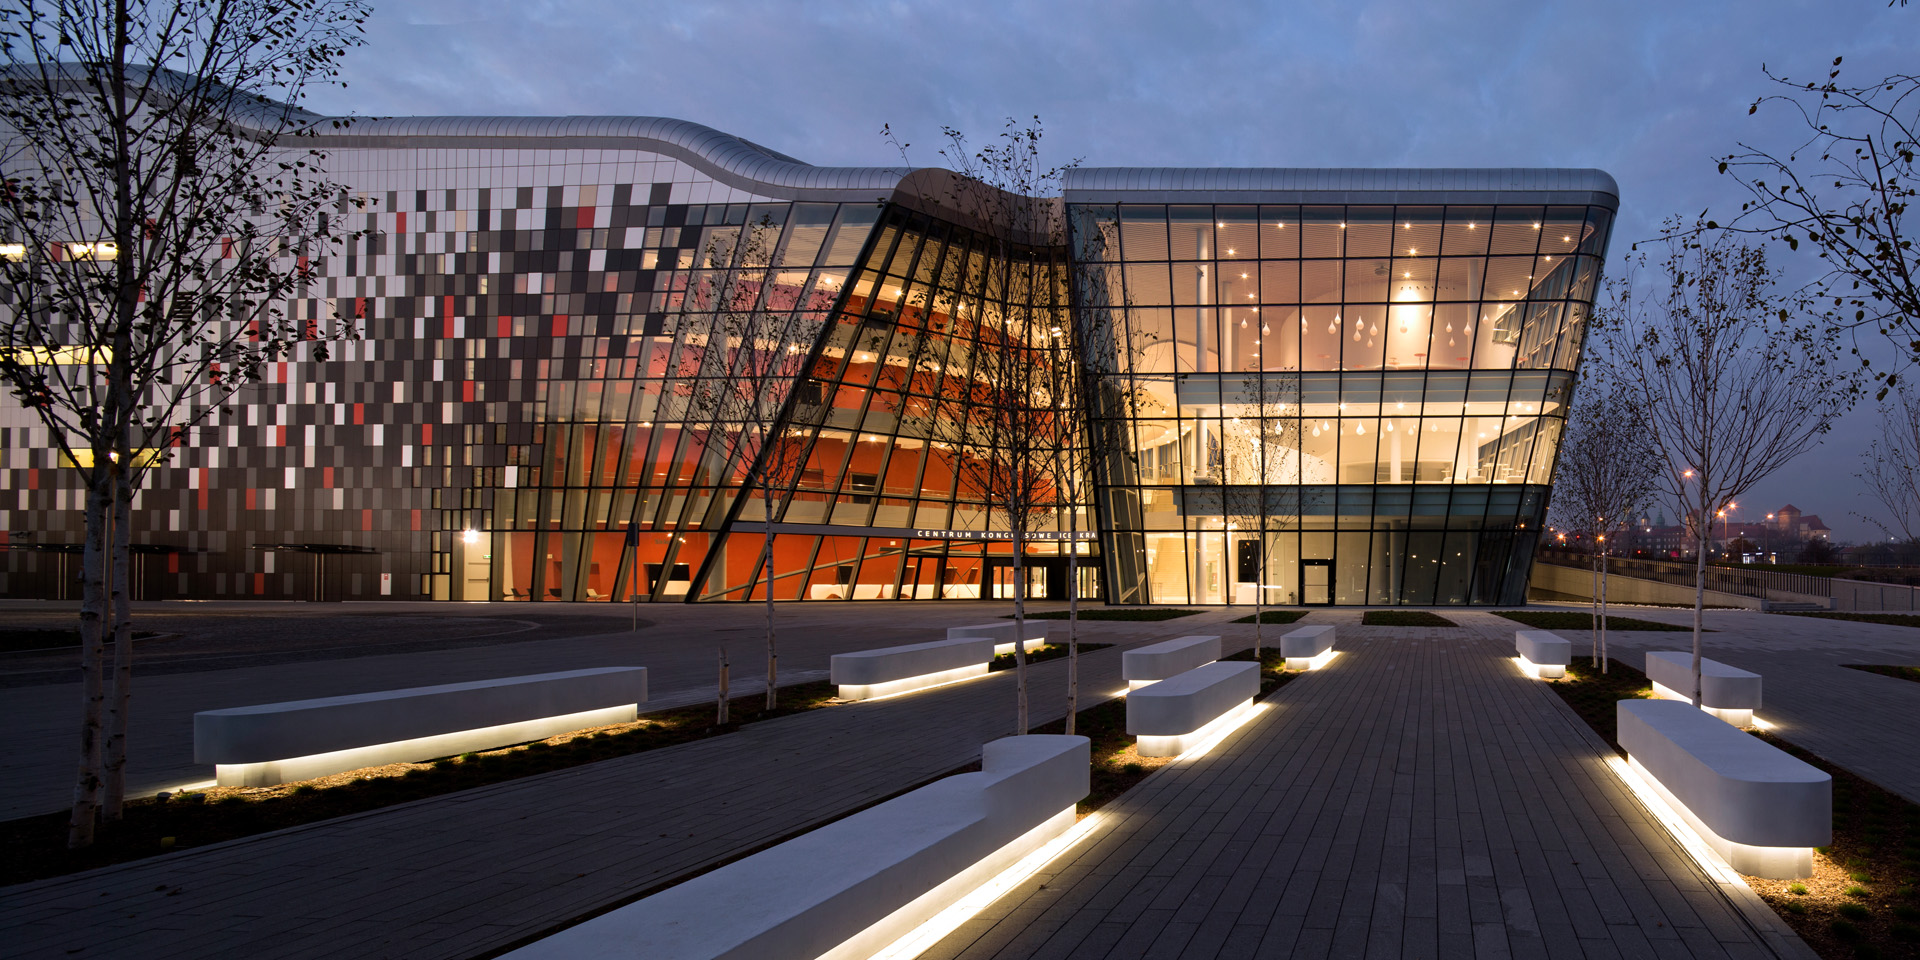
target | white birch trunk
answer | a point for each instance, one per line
(119, 605)
(1699, 590)
(1593, 636)
(93, 614)
(1020, 632)
(1603, 613)
(1073, 619)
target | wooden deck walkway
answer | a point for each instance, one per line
(1419, 797)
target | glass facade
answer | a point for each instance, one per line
(1332, 403)
(916, 424)
(586, 349)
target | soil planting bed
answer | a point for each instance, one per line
(1861, 900)
(1403, 618)
(35, 847)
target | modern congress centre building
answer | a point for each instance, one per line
(1310, 386)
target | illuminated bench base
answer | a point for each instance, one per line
(1738, 716)
(1002, 633)
(858, 885)
(273, 743)
(1308, 648)
(865, 674)
(1542, 654)
(869, 691)
(1760, 809)
(1730, 693)
(268, 773)
(1171, 716)
(1542, 671)
(1779, 863)
(1168, 658)
(1152, 746)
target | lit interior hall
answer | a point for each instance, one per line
(1336, 403)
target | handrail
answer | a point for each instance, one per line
(1745, 583)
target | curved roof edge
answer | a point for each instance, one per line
(1337, 184)
(738, 163)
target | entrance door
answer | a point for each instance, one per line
(1004, 582)
(1316, 583)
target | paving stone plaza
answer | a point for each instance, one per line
(1419, 796)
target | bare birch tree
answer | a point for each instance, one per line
(158, 214)
(998, 412)
(1892, 466)
(759, 336)
(1732, 377)
(1607, 471)
(1845, 189)
(1259, 436)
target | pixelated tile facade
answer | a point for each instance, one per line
(535, 301)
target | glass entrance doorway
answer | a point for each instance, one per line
(1316, 582)
(1046, 578)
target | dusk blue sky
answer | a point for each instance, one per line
(1651, 92)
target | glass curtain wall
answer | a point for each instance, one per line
(942, 390)
(640, 442)
(1330, 404)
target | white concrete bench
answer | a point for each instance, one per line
(854, 886)
(1002, 632)
(1174, 715)
(1759, 808)
(1542, 654)
(1158, 661)
(301, 739)
(866, 674)
(1730, 693)
(1307, 648)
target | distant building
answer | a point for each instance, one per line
(1784, 529)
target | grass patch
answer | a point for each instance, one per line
(1900, 673)
(1135, 614)
(1274, 616)
(1117, 766)
(1403, 618)
(34, 848)
(1052, 651)
(1574, 620)
(1894, 619)
(1592, 694)
(1876, 835)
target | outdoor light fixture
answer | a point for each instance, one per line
(471, 536)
